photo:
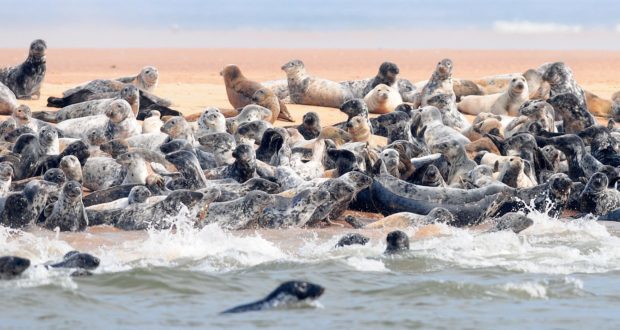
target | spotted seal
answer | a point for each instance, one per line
(76, 259)
(506, 103)
(6, 177)
(70, 165)
(33, 149)
(574, 116)
(249, 113)
(238, 213)
(221, 145)
(118, 122)
(243, 169)
(561, 81)
(25, 206)
(287, 293)
(146, 80)
(308, 90)
(68, 212)
(187, 164)
(407, 219)
(440, 82)
(26, 78)
(597, 198)
(211, 121)
(310, 126)
(388, 75)
(352, 239)
(251, 133)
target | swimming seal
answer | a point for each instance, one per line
(76, 259)
(397, 241)
(352, 239)
(11, 266)
(287, 293)
(25, 79)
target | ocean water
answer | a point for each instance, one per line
(551, 24)
(556, 274)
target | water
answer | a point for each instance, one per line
(556, 274)
(453, 24)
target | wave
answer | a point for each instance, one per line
(529, 27)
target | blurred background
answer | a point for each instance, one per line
(415, 24)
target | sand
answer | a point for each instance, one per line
(190, 77)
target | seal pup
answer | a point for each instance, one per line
(243, 168)
(68, 212)
(6, 178)
(238, 213)
(382, 99)
(287, 293)
(308, 90)
(310, 126)
(265, 97)
(25, 79)
(11, 267)
(152, 123)
(179, 128)
(8, 101)
(397, 241)
(71, 167)
(506, 103)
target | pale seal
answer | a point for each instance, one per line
(118, 122)
(308, 90)
(8, 101)
(407, 219)
(25, 79)
(70, 165)
(506, 103)
(211, 121)
(382, 99)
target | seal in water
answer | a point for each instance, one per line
(397, 241)
(68, 212)
(25, 79)
(352, 239)
(287, 293)
(308, 90)
(76, 259)
(11, 267)
(596, 198)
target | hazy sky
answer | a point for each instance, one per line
(234, 23)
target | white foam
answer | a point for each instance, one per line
(531, 289)
(529, 27)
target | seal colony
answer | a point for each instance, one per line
(115, 154)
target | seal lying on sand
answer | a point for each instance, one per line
(308, 90)
(146, 80)
(8, 101)
(287, 293)
(68, 212)
(382, 99)
(506, 103)
(25, 79)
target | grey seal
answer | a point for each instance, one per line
(287, 293)
(25, 79)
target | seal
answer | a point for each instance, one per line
(352, 239)
(575, 117)
(294, 213)
(68, 212)
(561, 81)
(152, 123)
(308, 90)
(179, 128)
(32, 149)
(597, 198)
(265, 97)
(460, 164)
(76, 259)
(287, 293)
(450, 115)
(239, 89)
(358, 129)
(187, 164)
(484, 123)
(78, 148)
(23, 118)
(70, 166)
(137, 194)
(506, 103)
(6, 177)
(243, 169)
(25, 79)
(310, 127)
(407, 219)
(238, 213)
(25, 206)
(249, 113)
(221, 145)
(440, 82)
(512, 173)
(146, 80)
(251, 133)
(397, 242)
(382, 99)
(12, 266)
(514, 222)
(432, 177)
(118, 122)
(8, 101)
(129, 93)
(211, 121)
(534, 111)
(430, 126)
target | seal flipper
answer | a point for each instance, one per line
(284, 113)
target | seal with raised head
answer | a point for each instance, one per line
(265, 97)
(575, 117)
(118, 122)
(25, 79)
(70, 165)
(68, 212)
(506, 103)
(440, 82)
(22, 209)
(561, 81)
(296, 212)
(146, 80)
(243, 168)
(238, 88)
(382, 99)
(310, 126)
(211, 121)
(308, 90)
(397, 241)
(287, 293)
(597, 198)
(352, 239)
(76, 259)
